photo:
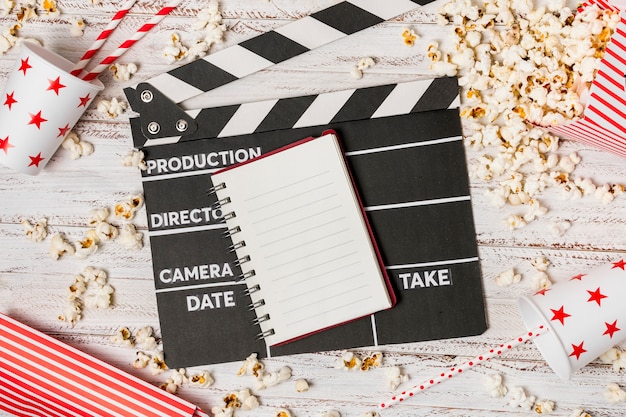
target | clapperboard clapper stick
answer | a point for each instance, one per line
(163, 121)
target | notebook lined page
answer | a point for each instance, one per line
(304, 231)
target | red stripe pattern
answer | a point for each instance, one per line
(40, 376)
(604, 122)
(141, 32)
(104, 35)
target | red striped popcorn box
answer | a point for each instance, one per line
(604, 120)
(40, 376)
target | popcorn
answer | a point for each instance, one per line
(169, 386)
(536, 70)
(395, 377)
(540, 263)
(520, 399)
(141, 361)
(71, 313)
(614, 394)
(85, 248)
(559, 228)
(36, 232)
(209, 22)
(515, 222)
(123, 337)
(203, 379)
(535, 209)
(302, 385)
(372, 361)
(251, 366)
(283, 412)
(50, 7)
(507, 277)
(78, 26)
(76, 146)
(330, 413)
(112, 108)
(409, 36)
(248, 401)
(27, 11)
(540, 281)
(175, 50)
(59, 246)
(371, 414)
(616, 357)
(269, 379)
(349, 361)
(92, 291)
(363, 64)
(123, 72)
(494, 385)
(9, 38)
(99, 297)
(127, 209)
(135, 158)
(544, 407)
(130, 238)
(105, 231)
(242, 399)
(157, 364)
(145, 338)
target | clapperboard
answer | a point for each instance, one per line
(404, 145)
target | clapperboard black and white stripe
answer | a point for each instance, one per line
(253, 55)
(316, 110)
(404, 146)
(278, 45)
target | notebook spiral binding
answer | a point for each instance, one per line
(234, 247)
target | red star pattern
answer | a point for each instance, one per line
(25, 66)
(611, 328)
(55, 85)
(84, 101)
(35, 160)
(542, 291)
(63, 130)
(596, 296)
(559, 315)
(619, 264)
(578, 277)
(5, 145)
(36, 119)
(10, 100)
(578, 350)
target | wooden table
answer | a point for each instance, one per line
(33, 286)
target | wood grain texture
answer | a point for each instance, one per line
(33, 286)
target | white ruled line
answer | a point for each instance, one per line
(200, 286)
(419, 203)
(404, 146)
(186, 229)
(434, 263)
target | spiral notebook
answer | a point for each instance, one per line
(302, 240)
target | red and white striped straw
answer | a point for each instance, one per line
(457, 370)
(102, 38)
(141, 32)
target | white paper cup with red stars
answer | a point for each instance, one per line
(586, 316)
(40, 105)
